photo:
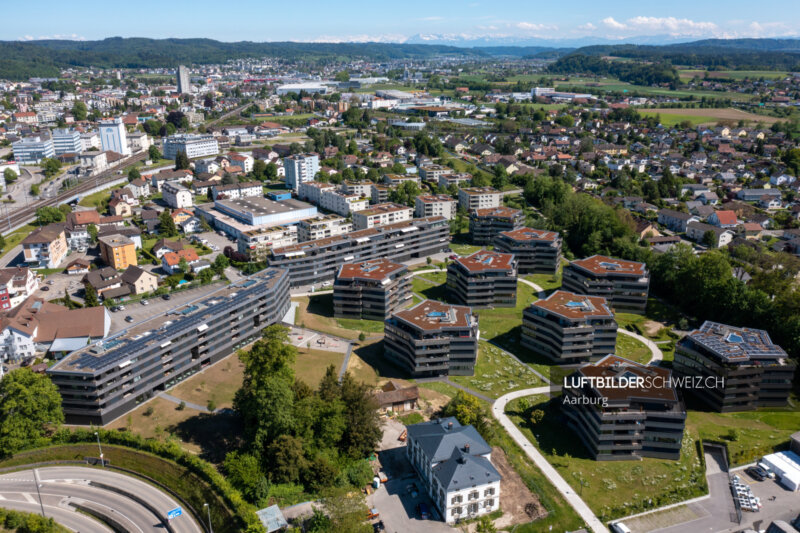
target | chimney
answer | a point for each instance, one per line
(466, 447)
(449, 425)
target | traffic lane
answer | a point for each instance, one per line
(67, 518)
(161, 501)
(20, 486)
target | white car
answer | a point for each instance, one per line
(326, 283)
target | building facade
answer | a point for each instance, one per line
(486, 223)
(433, 339)
(311, 262)
(322, 227)
(113, 136)
(628, 422)
(257, 243)
(66, 141)
(193, 145)
(536, 251)
(117, 251)
(741, 369)
(31, 150)
(102, 381)
(381, 215)
(570, 328)
(183, 81)
(484, 279)
(176, 195)
(625, 284)
(300, 168)
(370, 290)
(479, 198)
(435, 205)
(45, 247)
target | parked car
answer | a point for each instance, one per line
(145, 302)
(121, 308)
(378, 526)
(424, 514)
(326, 283)
(129, 318)
(757, 473)
(45, 288)
(166, 297)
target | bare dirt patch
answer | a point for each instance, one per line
(651, 328)
(431, 401)
(518, 503)
(727, 113)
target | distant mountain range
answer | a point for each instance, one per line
(21, 60)
(472, 41)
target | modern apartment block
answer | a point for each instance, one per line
(31, 150)
(323, 226)
(432, 172)
(484, 279)
(570, 328)
(184, 83)
(740, 368)
(192, 144)
(316, 261)
(623, 283)
(342, 203)
(117, 251)
(435, 205)
(66, 141)
(486, 223)
(371, 290)
(104, 380)
(455, 465)
(472, 198)
(300, 168)
(381, 215)
(433, 339)
(617, 422)
(257, 243)
(536, 251)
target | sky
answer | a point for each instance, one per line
(387, 21)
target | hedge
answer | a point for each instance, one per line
(20, 522)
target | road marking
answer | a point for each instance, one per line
(28, 497)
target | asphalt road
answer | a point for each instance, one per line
(65, 488)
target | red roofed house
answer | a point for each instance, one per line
(723, 219)
(170, 261)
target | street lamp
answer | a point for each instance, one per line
(36, 481)
(208, 509)
(102, 462)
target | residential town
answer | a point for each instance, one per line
(411, 294)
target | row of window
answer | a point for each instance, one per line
(474, 495)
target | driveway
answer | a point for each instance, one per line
(395, 499)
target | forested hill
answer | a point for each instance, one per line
(741, 54)
(21, 60)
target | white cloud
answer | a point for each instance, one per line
(530, 26)
(58, 36)
(363, 38)
(641, 25)
(587, 27)
(613, 24)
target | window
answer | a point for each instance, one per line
(457, 499)
(472, 508)
(456, 510)
(489, 492)
(488, 503)
(474, 495)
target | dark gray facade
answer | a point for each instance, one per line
(105, 380)
(536, 251)
(625, 284)
(486, 223)
(484, 279)
(370, 290)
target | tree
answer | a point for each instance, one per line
(166, 226)
(68, 300)
(92, 230)
(710, 239)
(342, 75)
(244, 472)
(286, 459)
(50, 167)
(79, 111)
(48, 215)
(2, 242)
(208, 101)
(153, 154)
(221, 263)
(405, 194)
(537, 415)
(90, 296)
(468, 411)
(345, 510)
(485, 525)
(29, 405)
(181, 161)
(362, 431)
(183, 265)
(134, 174)
(205, 275)
(35, 189)
(259, 169)
(10, 175)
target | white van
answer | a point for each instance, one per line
(619, 527)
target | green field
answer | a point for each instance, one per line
(732, 74)
(16, 237)
(496, 373)
(612, 488)
(672, 119)
(99, 199)
(632, 349)
(609, 85)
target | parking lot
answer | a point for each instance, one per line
(398, 499)
(784, 506)
(158, 305)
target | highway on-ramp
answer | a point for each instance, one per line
(129, 503)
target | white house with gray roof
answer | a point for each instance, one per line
(455, 465)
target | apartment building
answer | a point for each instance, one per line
(117, 251)
(741, 369)
(432, 172)
(457, 179)
(316, 261)
(312, 191)
(342, 203)
(486, 223)
(234, 191)
(381, 215)
(45, 247)
(183, 81)
(257, 243)
(624, 284)
(176, 195)
(455, 465)
(433, 339)
(395, 180)
(16, 285)
(675, 220)
(103, 381)
(361, 188)
(435, 205)
(322, 227)
(192, 144)
(472, 198)
(379, 194)
(619, 422)
(484, 279)
(570, 328)
(31, 150)
(66, 141)
(370, 290)
(300, 168)
(536, 251)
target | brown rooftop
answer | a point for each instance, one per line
(655, 387)
(380, 209)
(44, 235)
(486, 261)
(481, 190)
(602, 265)
(497, 212)
(431, 315)
(433, 198)
(530, 234)
(373, 270)
(575, 306)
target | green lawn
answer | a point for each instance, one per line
(466, 249)
(367, 326)
(438, 386)
(632, 349)
(671, 119)
(612, 489)
(16, 237)
(98, 200)
(504, 321)
(732, 74)
(756, 433)
(428, 289)
(496, 373)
